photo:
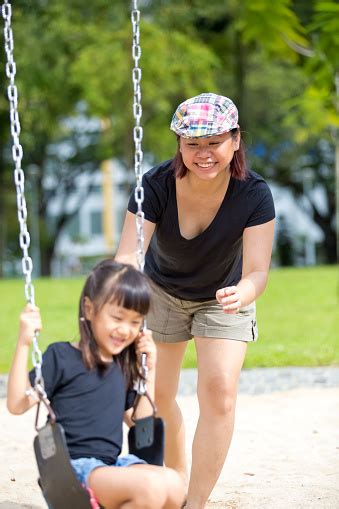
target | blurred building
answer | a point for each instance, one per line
(298, 238)
(93, 231)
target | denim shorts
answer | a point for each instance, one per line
(173, 320)
(84, 466)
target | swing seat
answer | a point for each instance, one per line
(58, 481)
(146, 439)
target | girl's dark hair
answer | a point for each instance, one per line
(238, 165)
(121, 284)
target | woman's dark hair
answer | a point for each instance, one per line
(121, 284)
(238, 165)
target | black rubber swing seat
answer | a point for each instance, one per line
(146, 439)
(58, 482)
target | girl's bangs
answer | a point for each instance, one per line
(133, 295)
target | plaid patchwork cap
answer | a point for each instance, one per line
(205, 115)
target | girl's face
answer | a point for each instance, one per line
(114, 327)
(206, 158)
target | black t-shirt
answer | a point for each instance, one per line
(90, 406)
(194, 269)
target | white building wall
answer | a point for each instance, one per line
(305, 233)
(71, 249)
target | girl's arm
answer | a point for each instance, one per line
(127, 249)
(18, 382)
(257, 251)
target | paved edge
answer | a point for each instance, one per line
(267, 380)
(257, 380)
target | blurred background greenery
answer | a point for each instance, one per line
(279, 62)
(298, 318)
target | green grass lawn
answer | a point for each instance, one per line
(298, 317)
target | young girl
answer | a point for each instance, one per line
(90, 387)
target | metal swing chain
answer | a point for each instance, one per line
(138, 158)
(138, 134)
(19, 179)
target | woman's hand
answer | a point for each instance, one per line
(145, 344)
(30, 322)
(229, 298)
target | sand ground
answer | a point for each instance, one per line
(284, 454)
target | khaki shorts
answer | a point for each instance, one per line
(174, 320)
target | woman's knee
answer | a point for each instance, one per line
(217, 395)
(168, 371)
(164, 395)
(165, 388)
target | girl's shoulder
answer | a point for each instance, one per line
(60, 346)
(59, 363)
(62, 351)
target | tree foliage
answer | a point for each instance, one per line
(69, 54)
(74, 59)
(314, 111)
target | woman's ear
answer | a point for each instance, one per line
(179, 143)
(236, 141)
(88, 309)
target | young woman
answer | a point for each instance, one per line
(209, 225)
(90, 387)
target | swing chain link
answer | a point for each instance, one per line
(19, 176)
(138, 158)
(142, 385)
(137, 135)
(19, 180)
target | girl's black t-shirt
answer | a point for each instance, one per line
(89, 405)
(194, 269)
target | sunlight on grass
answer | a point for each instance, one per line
(298, 317)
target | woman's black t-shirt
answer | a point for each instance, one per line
(194, 269)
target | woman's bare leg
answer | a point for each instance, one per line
(169, 359)
(219, 366)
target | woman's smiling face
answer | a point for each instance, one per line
(206, 158)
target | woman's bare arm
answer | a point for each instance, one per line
(127, 249)
(257, 251)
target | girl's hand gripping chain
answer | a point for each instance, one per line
(145, 344)
(30, 323)
(17, 400)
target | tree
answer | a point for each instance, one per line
(314, 118)
(246, 49)
(264, 52)
(82, 54)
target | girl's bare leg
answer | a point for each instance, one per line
(169, 359)
(137, 487)
(219, 366)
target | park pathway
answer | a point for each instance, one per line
(284, 454)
